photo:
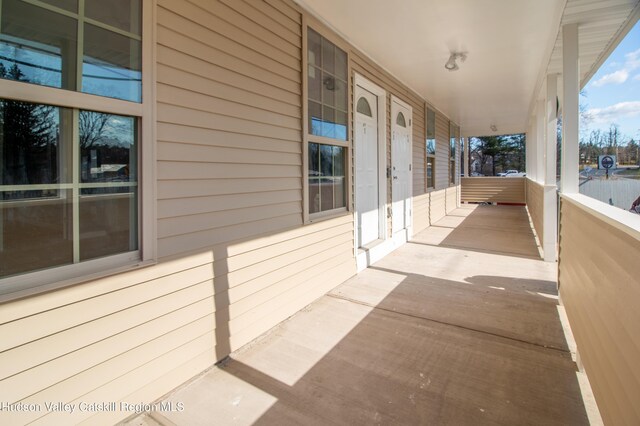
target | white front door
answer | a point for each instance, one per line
(366, 164)
(401, 168)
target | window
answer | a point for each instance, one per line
(69, 164)
(431, 148)
(327, 124)
(453, 140)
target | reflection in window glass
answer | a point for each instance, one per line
(112, 65)
(37, 45)
(38, 194)
(363, 107)
(431, 166)
(327, 188)
(431, 132)
(327, 90)
(122, 14)
(400, 121)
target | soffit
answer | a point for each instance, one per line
(511, 46)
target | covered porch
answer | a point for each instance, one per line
(461, 325)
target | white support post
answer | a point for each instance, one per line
(467, 157)
(540, 137)
(570, 92)
(550, 202)
(534, 149)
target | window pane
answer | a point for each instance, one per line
(314, 49)
(70, 5)
(36, 230)
(363, 107)
(31, 146)
(315, 118)
(327, 187)
(431, 124)
(122, 14)
(430, 169)
(341, 64)
(37, 45)
(328, 122)
(108, 221)
(328, 90)
(328, 56)
(315, 84)
(107, 147)
(341, 95)
(341, 125)
(326, 194)
(314, 195)
(112, 65)
(400, 121)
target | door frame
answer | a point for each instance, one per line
(399, 236)
(370, 257)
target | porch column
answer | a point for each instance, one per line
(540, 137)
(550, 210)
(534, 149)
(467, 157)
(570, 93)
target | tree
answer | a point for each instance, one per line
(507, 152)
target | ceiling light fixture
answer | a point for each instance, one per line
(494, 128)
(451, 64)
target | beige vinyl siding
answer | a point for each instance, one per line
(437, 205)
(535, 206)
(420, 212)
(235, 260)
(442, 151)
(599, 286)
(451, 199)
(494, 189)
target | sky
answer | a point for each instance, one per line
(613, 93)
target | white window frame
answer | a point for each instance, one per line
(307, 137)
(30, 283)
(428, 156)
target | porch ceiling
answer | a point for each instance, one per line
(509, 46)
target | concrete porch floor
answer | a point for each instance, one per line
(460, 326)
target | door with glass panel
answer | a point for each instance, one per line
(366, 164)
(401, 166)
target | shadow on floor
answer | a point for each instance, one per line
(430, 356)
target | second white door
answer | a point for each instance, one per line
(401, 166)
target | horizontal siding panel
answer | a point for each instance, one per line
(267, 315)
(535, 206)
(188, 117)
(178, 133)
(47, 374)
(283, 247)
(64, 341)
(241, 276)
(206, 30)
(169, 151)
(289, 19)
(292, 272)
(197, 101)
(599, 288)
(451, 200)
(203, 205)
(249, 27)
(437, 207)
(169, 170)
(287, 8)
(420, 213)
(216, 68)
(178, 189)
(203, 240)
(170, 227)
(168, 75)
(442, 151)
(275, 290)
(280, 77)
(493, 189)
(273, 27)
(130, 370)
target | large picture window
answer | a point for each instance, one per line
(327, 124)
(69, 173)
(453, 140)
